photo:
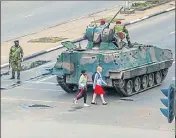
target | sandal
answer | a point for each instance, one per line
(93, 103)
(105, 103)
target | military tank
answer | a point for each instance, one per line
(129, 70)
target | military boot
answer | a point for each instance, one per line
(18, 76)
(13, 75)
(129, 44)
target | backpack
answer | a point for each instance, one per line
(93, 76)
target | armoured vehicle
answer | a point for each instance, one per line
(130, 70)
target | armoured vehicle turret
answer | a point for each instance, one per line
(129, 70)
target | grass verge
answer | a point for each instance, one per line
(46, 40)
(144, 4)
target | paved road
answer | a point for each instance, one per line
(23, 17)
(138, 118)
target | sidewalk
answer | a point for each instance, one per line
(72, 30)
(54, 129)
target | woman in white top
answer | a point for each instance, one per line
(97, 86)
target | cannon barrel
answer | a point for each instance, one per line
(114, 17)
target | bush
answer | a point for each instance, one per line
(144, 4)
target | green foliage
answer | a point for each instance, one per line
(144, 4)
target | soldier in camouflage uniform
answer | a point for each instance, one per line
(15, 59)
(119, 28)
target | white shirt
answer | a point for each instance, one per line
(98, 80)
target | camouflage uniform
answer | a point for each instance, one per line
(15, 59)
(120, 28)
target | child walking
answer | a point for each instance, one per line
(82, 86)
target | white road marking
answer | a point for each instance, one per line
(29, 15)
(173, 78)
(4, 65)
(145, 17)
(45, 78)
(52, 83)
(172, 32)
(135, 20)
(170, 9)
(174, 62)
(17, 99)
(38, 89)
(53, 48)
(34, 82)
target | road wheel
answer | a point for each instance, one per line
(129, 87)
(164, 72)
(151, 79)
(69, 88)
(145, 81)
(158, 77)
(121, 83)
(137, 84)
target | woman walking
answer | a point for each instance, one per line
(97, 86)
(82, 88)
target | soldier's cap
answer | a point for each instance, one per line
(102, 21)
(83, 71)
(16, 41)
(118, 22)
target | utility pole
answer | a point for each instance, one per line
(127, 5)
(175, 104)
(174, 82)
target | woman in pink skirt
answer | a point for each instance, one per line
(97, 86)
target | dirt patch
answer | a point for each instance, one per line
(46, 40)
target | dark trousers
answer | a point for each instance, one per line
(82, 93)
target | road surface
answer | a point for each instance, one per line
(22, 17)
(139, 118)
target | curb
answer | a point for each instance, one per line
(82, 38)
(149, 16)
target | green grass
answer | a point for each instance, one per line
(107, 20)
(144, 4)
(46, 40)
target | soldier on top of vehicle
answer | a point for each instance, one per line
(102, 22)
(119, 28)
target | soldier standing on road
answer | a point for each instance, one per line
(15, 59)
(119, 28)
